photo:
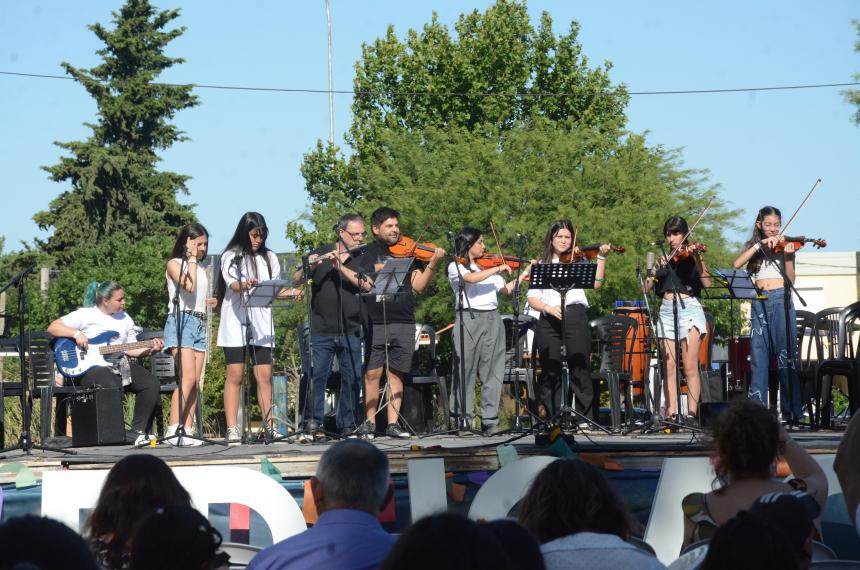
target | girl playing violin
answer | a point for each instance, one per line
(483, 340)
(768, 327)
(684, 274)
(577, 336)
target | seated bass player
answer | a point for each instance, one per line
(104, 312)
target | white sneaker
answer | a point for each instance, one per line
(169, 433)
(143, 440)
(188, 441)
(234, 436)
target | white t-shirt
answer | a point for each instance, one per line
(553, 298)
(92, 321)
(482, 295)
(188, 301)
(231, 329)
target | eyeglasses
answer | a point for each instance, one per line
(356, 235)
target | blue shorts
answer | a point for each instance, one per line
(690, 315)
(193, 332)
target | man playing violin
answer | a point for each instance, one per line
(391, 326)
(335, 327)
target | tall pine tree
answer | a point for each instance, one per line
(116, 189)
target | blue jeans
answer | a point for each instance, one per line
(347, 348)
(767, 336)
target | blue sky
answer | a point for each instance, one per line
(246, 147)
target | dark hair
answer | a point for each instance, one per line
(571, 496)
(464, 241)
(446, 541)
(554, 228)
(746, 440)
(188, 231)
(40, 542)
(354, 474)
(345, 220)
(241, 243)
(379, 215)
(754, 263)
(99, 291)
(174, 538)
(675, 224)
(748, 542)
(135, 486)
(520, 548)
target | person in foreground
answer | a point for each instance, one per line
(23, 542)
(580, 520)
(349, 490)
(747, 439)
(177, 538)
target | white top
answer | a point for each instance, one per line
(553, 298)
(231, 329)
(92, 321)
(188, 301)
(596, 551)
(769, 269)
(481, 295)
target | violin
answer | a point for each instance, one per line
(685, 250)
(586, 252)
(488, 261)
(798, 242)
(408, 247)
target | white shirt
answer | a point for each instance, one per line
(768, 269)
(92, 321)
(553, 298)
(231, 329)
(595, 551)
(481, 295)
(189, 301)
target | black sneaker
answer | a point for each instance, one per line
(397, 432)
(349, 432)
(367, 430)
(490, 430)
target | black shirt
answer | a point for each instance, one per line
(686, 279)
(399, 308)
(335, 308)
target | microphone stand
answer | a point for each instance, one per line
(651, 334)
(25, 441)
(515, 337)
(309, 425)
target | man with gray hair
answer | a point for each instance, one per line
(349, 489)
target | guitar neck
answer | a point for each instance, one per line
(114, 348)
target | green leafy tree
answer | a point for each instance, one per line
(853, 95)
(116, 189)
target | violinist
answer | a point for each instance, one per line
(768, 327)
(558, 244)
(684, 274)
(484, 334)
(335, 327)
(391, 319)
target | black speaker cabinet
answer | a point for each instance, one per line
(97, 417)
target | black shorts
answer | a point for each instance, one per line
(401, 346)
(258, 354)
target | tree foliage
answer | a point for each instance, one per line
(116, 189)
(853, 95)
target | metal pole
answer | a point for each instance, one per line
(330, 80)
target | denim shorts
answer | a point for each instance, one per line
(193, 332)
(690, 315)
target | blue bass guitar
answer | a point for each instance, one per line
(73, 362)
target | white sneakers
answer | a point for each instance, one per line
(234, 436)
(180, 441)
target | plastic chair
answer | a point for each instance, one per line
(844, 362)
(240, 554)
(518, 371)
(821, 552)
(615, 361)
(826, 331)
(807, 362)
(424, 369)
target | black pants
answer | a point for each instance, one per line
(577, 340)
(144, 385)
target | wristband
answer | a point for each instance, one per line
(599, 279)
(601, 257)
(192, 260)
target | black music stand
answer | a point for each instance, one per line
(563, 277)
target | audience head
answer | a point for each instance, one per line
(135, 486)
(749, 542)
(794, 514)
(447, 541)
(351, 474)
(571, 496)
(176, 538)
(520, 547)
(42, 543)
(746, 441)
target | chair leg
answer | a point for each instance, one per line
(613, 381)
(443, 399)
(824, 410)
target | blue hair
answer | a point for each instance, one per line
(98, 291)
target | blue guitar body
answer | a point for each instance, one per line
(72, 362)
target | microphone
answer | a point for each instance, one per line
(650, 260)
(658, 242)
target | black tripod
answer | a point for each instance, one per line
(517, 363)
(179, 318)
(25, 441)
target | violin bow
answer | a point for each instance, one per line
(496, 239)
(797, 211)
(573, 245)
(418, 239)
(690, 231)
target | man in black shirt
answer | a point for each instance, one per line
(335, 327)
(391, 333)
